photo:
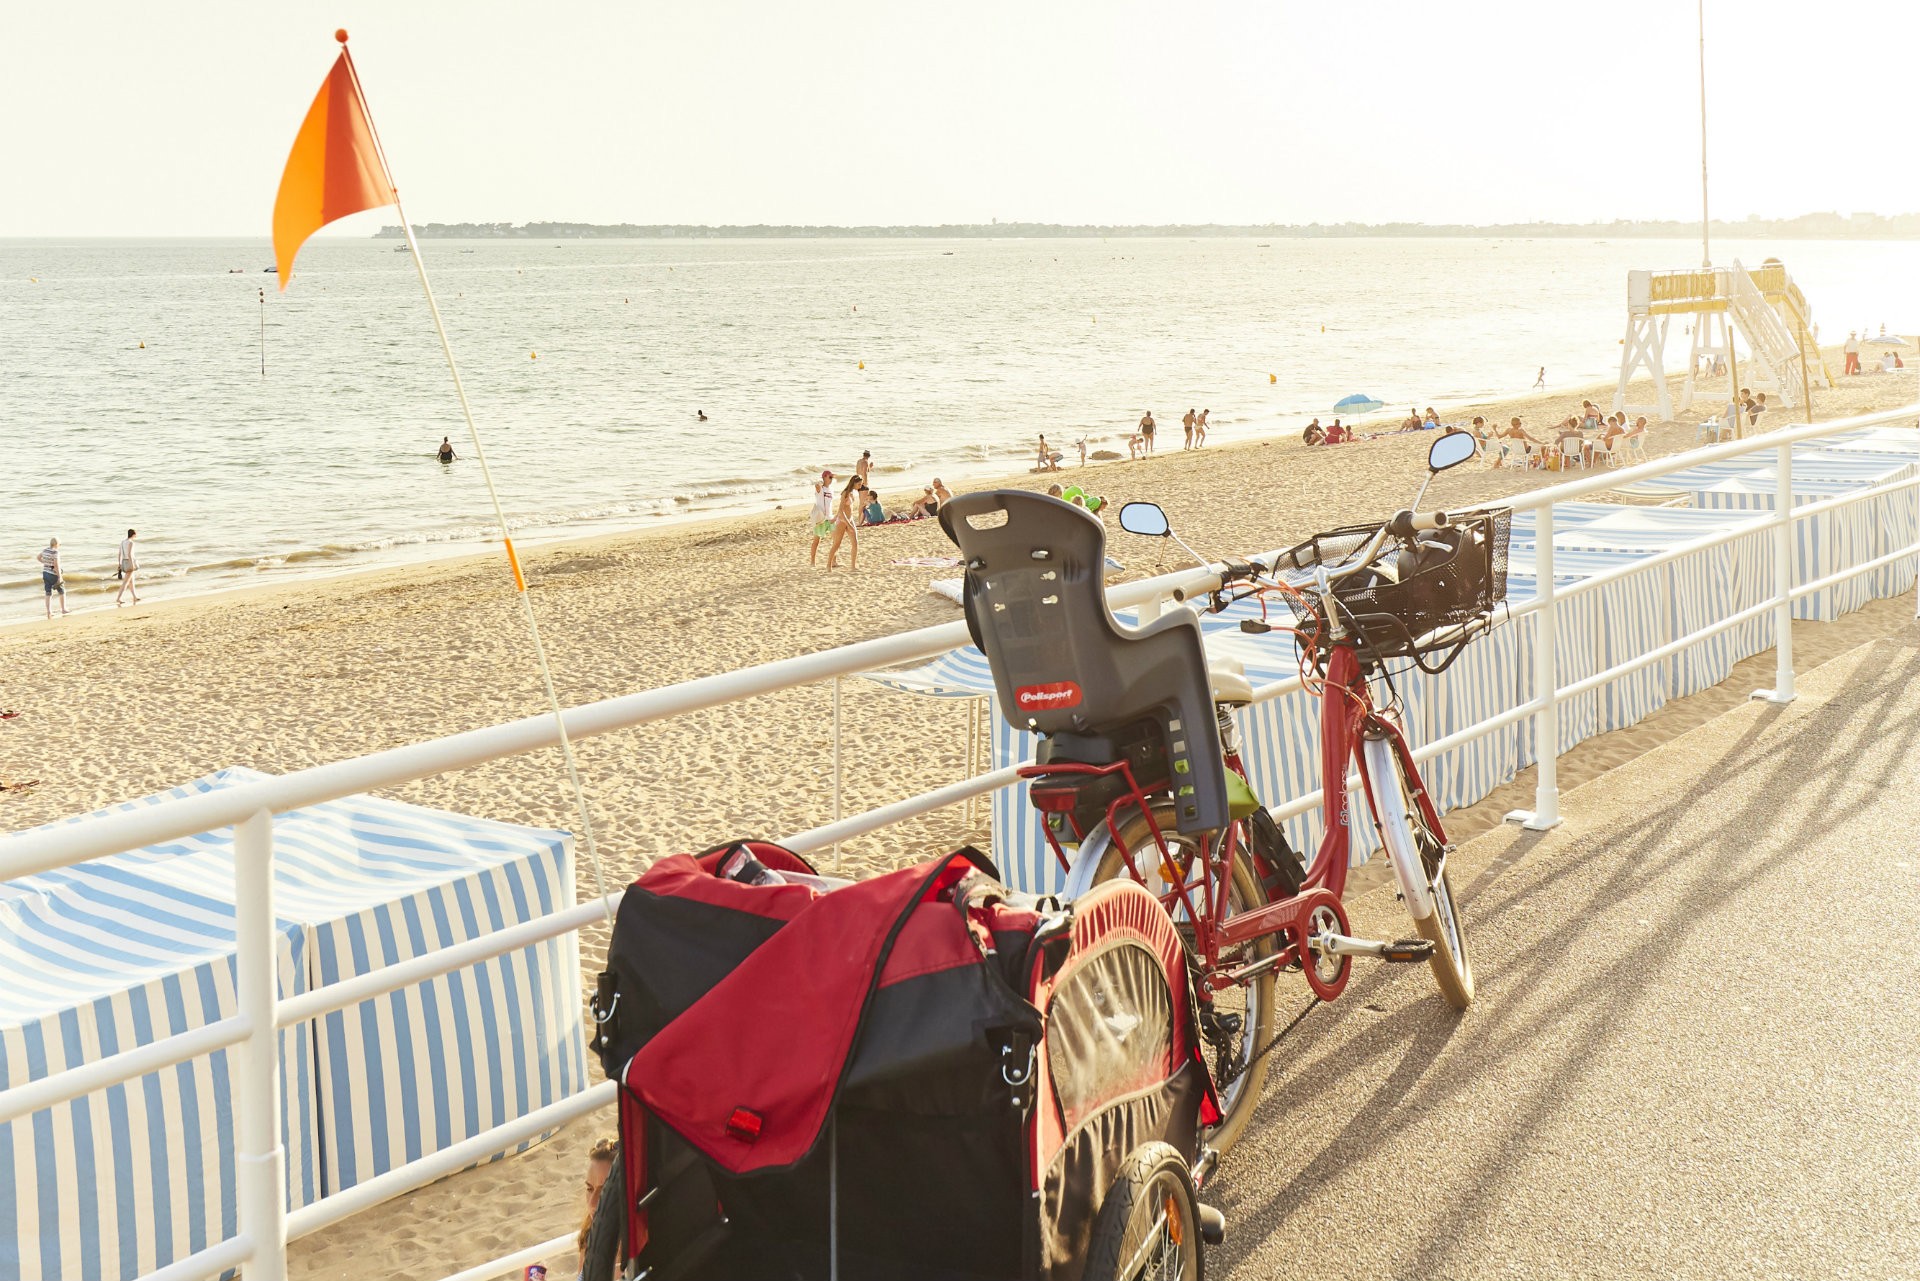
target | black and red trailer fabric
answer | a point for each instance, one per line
(933, 1075)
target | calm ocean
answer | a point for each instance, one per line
(970, 348)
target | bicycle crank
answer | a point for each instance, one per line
(1400, 950)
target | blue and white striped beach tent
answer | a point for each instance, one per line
(121, 1182)
(128, 949)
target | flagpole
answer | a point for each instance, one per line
(499, 513)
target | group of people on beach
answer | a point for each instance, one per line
(1889, 359)
(1597, 436)
(838, 518)
(53, 573)
(1193, 427)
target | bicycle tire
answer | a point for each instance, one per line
(1451, 963)
(600, 1258)
(1239, 1100)
(1152, 1183)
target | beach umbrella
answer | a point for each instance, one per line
(1357, 403)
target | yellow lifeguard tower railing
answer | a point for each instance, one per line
(1775, 325)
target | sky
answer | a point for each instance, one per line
(174, 120)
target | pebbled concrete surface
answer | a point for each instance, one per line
(1695, 1050)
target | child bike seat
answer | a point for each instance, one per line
(1062, 664)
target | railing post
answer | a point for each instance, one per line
(1546, 679)
(1782, 691)
(259, 1160)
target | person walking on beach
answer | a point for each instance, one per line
(446, 449)
(821, 521)
(1852, 350)
(51, 579)
(129, 565)
(1200, 429)
(1146, 432)
(1540, 381)
(843, 527)
(1186, 424)
(864, 466)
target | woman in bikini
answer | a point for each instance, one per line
(843, 527)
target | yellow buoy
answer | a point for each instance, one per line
(533, 355)
(863, 364)
(143, 346)
(1323, 329)
(1271, 378)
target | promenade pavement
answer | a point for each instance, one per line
(1696, 1046)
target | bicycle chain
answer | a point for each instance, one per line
(1269, 1046)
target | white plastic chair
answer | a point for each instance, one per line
(1637, 444)
(1711, 427)
(1572, 453)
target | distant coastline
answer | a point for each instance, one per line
(1812, 226)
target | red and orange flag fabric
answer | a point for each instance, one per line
(335, 168)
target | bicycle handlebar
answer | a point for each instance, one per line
(1233, 570)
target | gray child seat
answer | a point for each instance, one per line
(1064, 667)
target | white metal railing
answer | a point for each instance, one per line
(260, 1248)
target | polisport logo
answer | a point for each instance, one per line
(1036, 698)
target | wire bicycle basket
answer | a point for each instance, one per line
(1412, 602)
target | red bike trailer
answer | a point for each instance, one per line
(922, 1074)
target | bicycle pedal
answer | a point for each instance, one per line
(1406, 950)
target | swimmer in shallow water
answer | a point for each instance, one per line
(700, 415)
(446, 449)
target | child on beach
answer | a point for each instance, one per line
(51, 579)
(821, 520)
(1200, 429)
(599, 1166)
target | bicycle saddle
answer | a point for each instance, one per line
(1062, 664)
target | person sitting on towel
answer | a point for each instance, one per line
(873, 513)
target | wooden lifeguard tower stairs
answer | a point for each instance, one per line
(1767, 308)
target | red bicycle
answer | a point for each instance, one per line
(1139, 772)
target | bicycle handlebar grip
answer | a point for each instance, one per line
(1405, 524)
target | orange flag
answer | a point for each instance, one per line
(335, 168)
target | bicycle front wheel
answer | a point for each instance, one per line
(1240, 1018)
(1419, 860)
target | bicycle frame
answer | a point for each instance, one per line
(1348, 720)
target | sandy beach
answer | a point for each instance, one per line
(122, 703)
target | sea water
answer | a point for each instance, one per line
(134, 395)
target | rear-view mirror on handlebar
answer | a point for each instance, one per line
(1145, 518)
(1450, 451)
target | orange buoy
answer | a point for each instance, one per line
(863, 364)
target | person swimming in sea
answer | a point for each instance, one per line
(700, 415)
(446, 449)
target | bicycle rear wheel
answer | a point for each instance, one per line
(1251, 1005)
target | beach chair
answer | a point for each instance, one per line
(1636, 445)
(1573, 453)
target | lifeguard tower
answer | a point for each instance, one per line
(1767, 308)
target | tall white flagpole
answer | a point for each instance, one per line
(499, 513)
